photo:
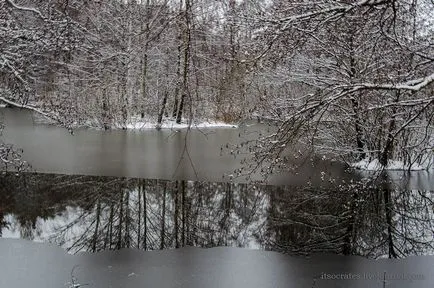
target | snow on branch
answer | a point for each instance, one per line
(12, 103)
(15, 72)
(337, 9)
(34, 109)
(28, 9)
(334, 11)
(413, 85)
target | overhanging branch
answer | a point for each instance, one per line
(34, 109)
(412, 85)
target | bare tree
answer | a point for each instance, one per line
(348, 58)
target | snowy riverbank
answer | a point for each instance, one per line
(133, 123)
(139, 124)
(374, 165)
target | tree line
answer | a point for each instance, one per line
(348, 79)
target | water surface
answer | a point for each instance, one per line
(198, 154)
(91, 214)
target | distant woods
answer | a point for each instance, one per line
(352, 80)
(103, 63)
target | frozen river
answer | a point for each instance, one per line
(26, 264)
(197, 154)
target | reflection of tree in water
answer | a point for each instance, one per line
(356, 219)
(3, 222)
(402, 220)
(306, 220)
(96, 213)
(113, 213)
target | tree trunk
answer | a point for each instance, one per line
(387, 152)
(176, 217)
(124, 98)
(187, 40)
(183, 213)
(355, 102)
(178, 66)
(163, 218)
(139, 216)
(145, 59)
(127, 220)
(145, 215)
(144, 78)
(121, 218)
(359, 132)
(95, 234)
(110, 230)
(2, 222)
(105, 109)
(387, 194)
(163, 108)
(351, 226)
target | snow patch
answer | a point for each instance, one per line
(171, 124)
(375, 165)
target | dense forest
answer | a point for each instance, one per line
(348, 79)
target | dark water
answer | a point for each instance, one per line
(88, 213)
(205, 155)
(164, 154)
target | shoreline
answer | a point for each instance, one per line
(392, 165)
(171, 124)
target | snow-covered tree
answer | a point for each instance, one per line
(366, 70)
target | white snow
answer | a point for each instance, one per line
(374, 165)
(138, 124)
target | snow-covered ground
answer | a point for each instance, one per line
(138, 123)
(374, 165)
(171, 124)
